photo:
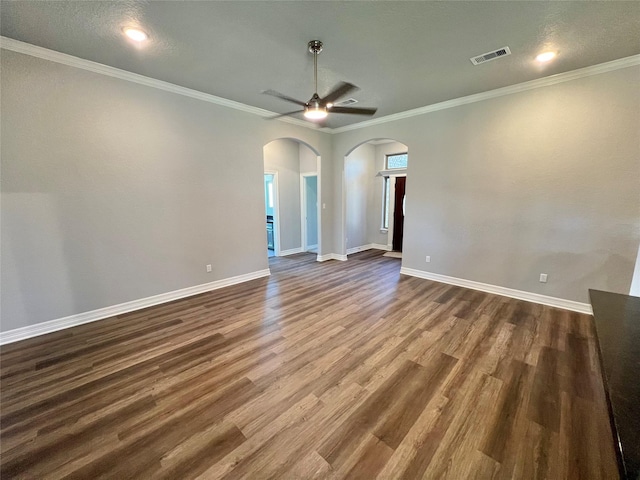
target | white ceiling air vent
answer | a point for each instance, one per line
(344, 103)
(487, 57)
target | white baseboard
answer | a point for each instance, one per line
(291, 251)
(312, 247)
(361, 248)
(331, 256)
(23, 333)
(504, 291)
(370, 246)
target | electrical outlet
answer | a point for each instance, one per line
(543, 278)
(428, 259)
(208, 268)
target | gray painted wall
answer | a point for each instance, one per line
(113, 191)
(359, 168)
(308, 159)
(542, 181)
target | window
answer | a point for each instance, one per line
(397, 161)
(385, 203)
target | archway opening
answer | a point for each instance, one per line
(292, 197)
(375, 174)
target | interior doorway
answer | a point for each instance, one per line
(309, 196)
(271, 213)
(398, 213)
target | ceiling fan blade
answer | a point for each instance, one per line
(286, 98)
(353, 111)
(284, 114)
(340, 91)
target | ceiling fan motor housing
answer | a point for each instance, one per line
(315, 101)
(315, 46)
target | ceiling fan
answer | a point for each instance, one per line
(318, 108)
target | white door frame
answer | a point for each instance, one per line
(303, 209)
(320, 205)
(276, 212)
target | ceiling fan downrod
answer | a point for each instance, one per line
(315, 47)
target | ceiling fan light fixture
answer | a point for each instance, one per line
(315, 113)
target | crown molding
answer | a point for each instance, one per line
(71, 61)
(62, 58)
(499, 92)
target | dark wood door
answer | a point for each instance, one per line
(398, 214)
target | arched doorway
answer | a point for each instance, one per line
(292, 197)
(374, 195)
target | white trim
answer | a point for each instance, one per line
(331, 256)
(504, 291)
(499, 92)
(62, 58)
(71, 61)
(312, 247)
(23, 333)
(369, 246)
(291, 251)
(398, 172)
(361, 248)
(320, 200)
(378, 246)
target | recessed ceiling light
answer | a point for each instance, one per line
(546, 57)
(135, 34)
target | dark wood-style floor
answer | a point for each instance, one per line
(323, 370)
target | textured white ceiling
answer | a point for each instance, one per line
(403, 55)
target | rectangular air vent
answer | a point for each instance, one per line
(487, 57)
(347, 102)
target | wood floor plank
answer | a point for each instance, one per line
(332, 370)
